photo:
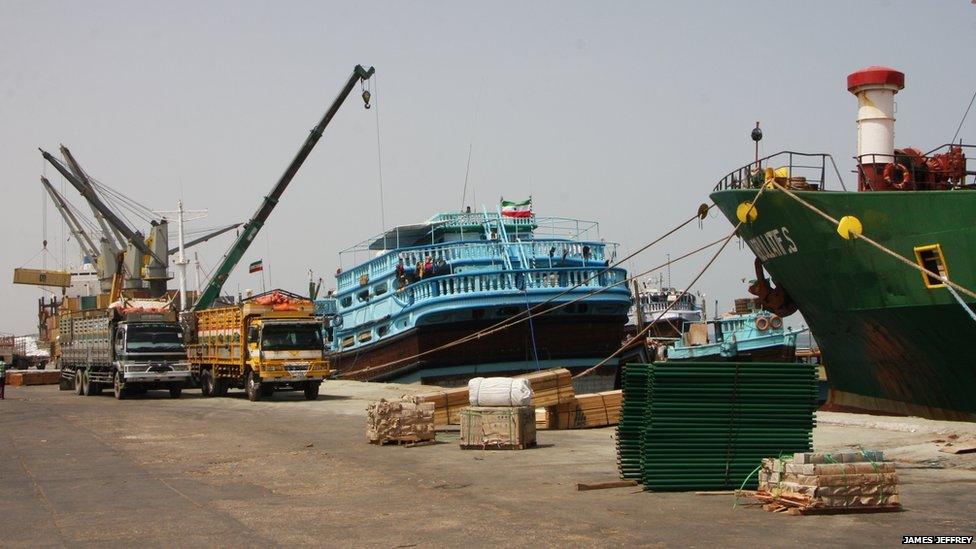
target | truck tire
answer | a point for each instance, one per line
(219, 387)
(252, 386)
(118, 386)
(175, 392)
(207, 383)
(312, 390)
(79, 382)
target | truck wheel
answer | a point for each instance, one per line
(118, 387)
(207, 383)
(253, 386)
(175, 392)
(79, 382)
(219, 387)
(312, 390)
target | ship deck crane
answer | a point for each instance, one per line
(84, 241)
(251, 228)
(112, 235)
(96, 203)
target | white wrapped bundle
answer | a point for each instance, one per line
(499, 391)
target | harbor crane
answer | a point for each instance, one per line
(211, 291)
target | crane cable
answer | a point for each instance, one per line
(379, 154)
(635, 337)
(528, 313)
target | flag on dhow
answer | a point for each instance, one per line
(517, 209)
(256, 266)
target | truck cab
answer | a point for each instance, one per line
(150, 355)
(285, 352)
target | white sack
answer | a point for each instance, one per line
(499, 391)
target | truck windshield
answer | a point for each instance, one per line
(154, 339)
(293, 337)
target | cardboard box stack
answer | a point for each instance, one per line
(404, 421)
(809, 483)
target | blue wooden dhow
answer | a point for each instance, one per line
(415, 288)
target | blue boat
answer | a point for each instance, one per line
(757, 335)
(413, 289)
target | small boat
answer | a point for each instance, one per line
(652, 302)
(754, 336)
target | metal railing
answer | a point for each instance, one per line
(804, 171)
(969, 169)
(537, 250)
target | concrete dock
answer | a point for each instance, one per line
(78, 471)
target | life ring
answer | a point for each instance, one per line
(776, 322)
(889, 175)
(762, 324)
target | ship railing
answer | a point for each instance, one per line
(500, 281)
(489, 250)
(968, 170)
(803, 171)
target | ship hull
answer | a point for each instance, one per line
(889, 343)
(566, 338)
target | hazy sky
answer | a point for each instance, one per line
(626, 113)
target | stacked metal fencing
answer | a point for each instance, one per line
(707, 426)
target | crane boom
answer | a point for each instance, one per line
(205, 237)
(114, 238)
(87, 245)
(96, 202)
(212, 290)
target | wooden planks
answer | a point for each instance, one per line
(549, 388)
(33, 377)
(585, 411)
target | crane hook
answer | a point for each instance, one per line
(366, 96)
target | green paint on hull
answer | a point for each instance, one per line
(883, 333)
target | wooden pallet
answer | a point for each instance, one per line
(406, 442)
(497, 446)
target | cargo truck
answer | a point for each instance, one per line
(132, 347)
(270, 342)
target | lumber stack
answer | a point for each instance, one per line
(634, 384)
(404, 421)
(809, 483)
(33, 377)
(590, 410)
(549, 388)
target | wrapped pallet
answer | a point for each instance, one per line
(404, 421)
(549, 388)
(497, 428)
(829, 482)
(499, 391)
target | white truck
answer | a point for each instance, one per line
(129, 347)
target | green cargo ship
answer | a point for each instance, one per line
(893, 339)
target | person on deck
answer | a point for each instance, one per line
(428, 265)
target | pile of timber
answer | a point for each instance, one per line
(822, 483)
(549, 388)
(33, 377)
(409, 420)
(584, 411)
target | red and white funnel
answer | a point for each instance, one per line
(875, 88)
